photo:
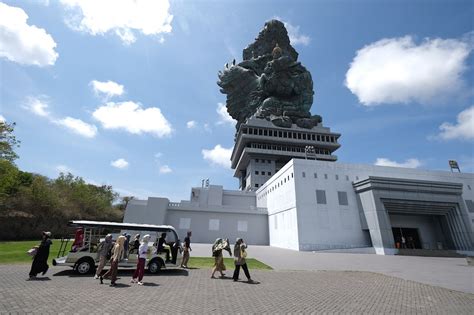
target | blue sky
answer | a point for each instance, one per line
(124, 93)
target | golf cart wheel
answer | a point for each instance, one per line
(154, 266)
(85, 266)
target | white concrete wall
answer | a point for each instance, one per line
(330, 225)
(151, 211)
(278, 195)
(252, 227)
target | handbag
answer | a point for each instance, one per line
(243, 253)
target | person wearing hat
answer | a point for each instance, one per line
(117, 254)
(142, 254)
(103, 251)
(40, 260)
(239, 260)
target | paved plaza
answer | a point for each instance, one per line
(192, 291)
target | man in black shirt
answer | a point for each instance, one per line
(161, 246)
(187, 249)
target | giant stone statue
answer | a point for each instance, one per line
(269, 83)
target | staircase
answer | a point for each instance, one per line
(429, 253)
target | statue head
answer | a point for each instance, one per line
(277, 52)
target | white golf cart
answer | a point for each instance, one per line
(82, 254)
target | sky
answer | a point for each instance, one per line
(124, 93)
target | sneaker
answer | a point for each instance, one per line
(43, 273)
(133, 281)
(96, 277)
(140, 283)
(101, 279)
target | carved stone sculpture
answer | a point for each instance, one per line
(269, 83)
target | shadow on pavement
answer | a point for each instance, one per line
(166, 272)
(39, 279)
(150, 284)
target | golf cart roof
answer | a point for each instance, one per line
(121, 225)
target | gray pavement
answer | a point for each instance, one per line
(192, 291)
(450, 273)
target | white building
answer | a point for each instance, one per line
(289, 201)
(315, 205)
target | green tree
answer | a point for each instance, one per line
(8, 142)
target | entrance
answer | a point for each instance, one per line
(412, 239)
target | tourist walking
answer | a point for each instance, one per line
(239, 260)
(142, 254)
(187, 249)
(126, 245)
(40, 260)
(135, 245)
(103, 253)
(117, 254)
(217, 248)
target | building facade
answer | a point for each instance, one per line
(315, 205)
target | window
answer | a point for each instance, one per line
(470, 206)
(342, 196)
(291, 175)
(214, 225)
(337, 177)
(325, 176)
(315, 175)
(321, 197)
(256, 172)
(347, 177)
(184, 223)
(269, 161)
(357, 177)
(256, 185)
(256, 160)
(469, 187)
(242, 226)
(304, 174)
(269, 173)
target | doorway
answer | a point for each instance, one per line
(412, 238)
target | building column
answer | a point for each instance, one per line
(378, 223)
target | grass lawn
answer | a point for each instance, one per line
(15, 253)
(208, 262)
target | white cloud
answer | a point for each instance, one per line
(124, 18)
(2, 119)
(133, 118)
(23, 43)
(165, 169)
(37, 105)
(78, 126)
(109, 88)
(224, 117)
(191, 124)
(463, 129)
(218, 155)
(158, 155)
(396, 70)
(120, 163)
(409, 163)
(294, 34)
